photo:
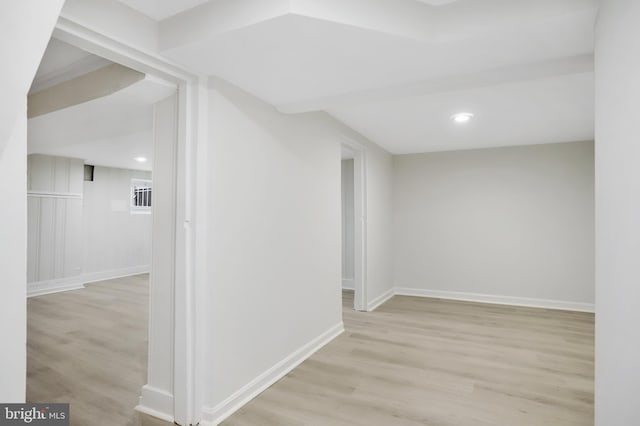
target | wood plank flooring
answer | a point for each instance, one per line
(412, 362)
(434, 362)
(89, 348)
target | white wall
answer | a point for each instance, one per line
(348, 225)
(617, 158)
(379, 193)
(274, 242)
(275, 237)
(13, 264)
(116, 242)
(23, 39)
(514, 222)
(54, 229)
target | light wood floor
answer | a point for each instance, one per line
(433, 362)
(89, 348)
(414, 361)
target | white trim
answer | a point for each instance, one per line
(47, 194)
(39, 288)
(375, 303)
(196, 221)
(93, 42)
(496, 299)
(115, 273)
(348, 284)
(212, 416)
(156, 402)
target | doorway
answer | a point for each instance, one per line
(168, 388)
(353, 201)
(94, 129)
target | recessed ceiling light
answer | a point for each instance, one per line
(462, 117)
(141, 159)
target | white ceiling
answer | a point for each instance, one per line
(161, 9)
(547, 110)
(110, 131)
(347, 154)
(61, 62)
(437, 2)
(396, 69)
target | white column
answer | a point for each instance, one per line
(13, 263)
(157, 395)
(618, 213)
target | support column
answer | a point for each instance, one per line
(617, 158)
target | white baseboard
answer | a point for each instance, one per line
(499, 300)
(93, 277)
(40, 288)
(156, 403)
(212, 416)
(348, 284)
(375, 303)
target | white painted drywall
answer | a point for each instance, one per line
(348, 225)
(23, 38)
(515, 222)
(379, 241)
(115, 240)
(274, 250)
(13, 249)
(115, 20)
(617, 159)
(54, 230)
(274, 235)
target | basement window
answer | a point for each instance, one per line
(141, 191)
(88, 172)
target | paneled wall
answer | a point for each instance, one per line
(79, 231)
(54, 208)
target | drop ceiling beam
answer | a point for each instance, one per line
(93, 85)
(497, 76)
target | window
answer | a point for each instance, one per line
(88, 172)
(141, 196)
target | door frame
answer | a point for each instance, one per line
(183, 404)
(360, 222)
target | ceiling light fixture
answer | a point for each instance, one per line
(141, 159)
(462, 117)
